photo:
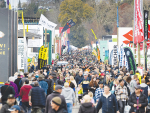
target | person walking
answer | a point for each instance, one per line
(24, 92)
(56, 93)
(18, 82)
(85, 83)
(55, 104)
(137, 101)
(10, 102)
(99, 91)
(69, 95)
(87, 106)
(121, 95)
(107, 102)
(37, 98)
(133, 83)
(79, 77)
(5, 91)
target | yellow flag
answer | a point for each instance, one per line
(23, 25)
(10, 6)
(94, 53)
(93, 33)
(27, 28)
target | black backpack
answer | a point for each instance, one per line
(54, 83)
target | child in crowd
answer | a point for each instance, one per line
(91, 95)
(80, 92)
(87, 106)
(99, 91)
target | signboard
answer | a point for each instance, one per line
(34, 43)
(46, 23)
(20, 53)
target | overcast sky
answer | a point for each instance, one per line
(16, 2)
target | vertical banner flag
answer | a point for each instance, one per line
(146, 25)
(121, 64)
(111, 57)
(117, 17)
(94, 34)
(145, 35)
(130, 59)
(138, 25)
(40, 59)
(68, 43)
(115, 55)
(68, 25)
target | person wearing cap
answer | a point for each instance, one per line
(37, 98)
(55, 104)
(137, 101)
(16, 109)
(5, 91)
(10, 102)
(99, 91)
(85, 82)
(56, 93)
(42, 83)
(24, 92)
(121, 95)
(69, 95)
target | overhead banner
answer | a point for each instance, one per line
(130, 59)
(46, 23)
(139, 29)
(146, 25)
(115, 51)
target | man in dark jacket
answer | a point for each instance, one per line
(5, 91)
(79, 77)
(55, 104)
(18, 82)
(107, 102)
(37, 98)
(137, 101)
(10, 102)
(57, 92)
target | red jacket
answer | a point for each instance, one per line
(24, 91)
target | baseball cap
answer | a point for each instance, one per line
(14, 108)
(58, 87)
(11, 96)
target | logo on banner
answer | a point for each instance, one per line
(1, 34)
(128, 53)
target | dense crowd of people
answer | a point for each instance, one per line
(84, 80)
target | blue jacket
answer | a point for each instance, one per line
(108, 104)
(38, 97)
(43, 85)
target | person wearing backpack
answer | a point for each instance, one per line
(43, 84)
(56, 93)
(54, 81)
